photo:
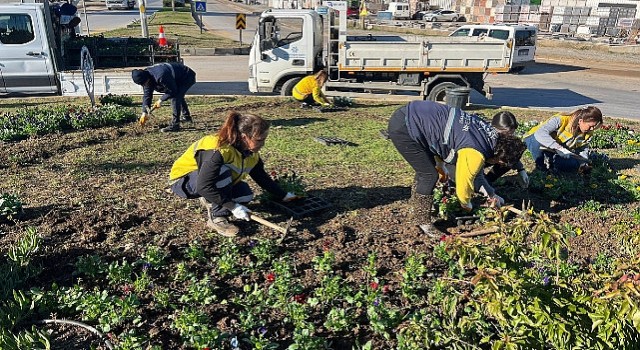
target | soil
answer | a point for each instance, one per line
(109, 213)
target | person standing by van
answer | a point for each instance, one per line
(173, 80)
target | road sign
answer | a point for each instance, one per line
(241, 21)
(201, 6)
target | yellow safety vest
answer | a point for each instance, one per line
(564, 135)
(240, 166)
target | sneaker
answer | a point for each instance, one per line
(171, 128)
(186, 119)
(222, 226)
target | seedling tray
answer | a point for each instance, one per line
(330, 109)
(303, 207)
(329, 140)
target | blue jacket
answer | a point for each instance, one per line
(168, 77)
(445, 130)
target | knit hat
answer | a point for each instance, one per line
(140, 76)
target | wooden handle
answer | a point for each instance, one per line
(268, 223)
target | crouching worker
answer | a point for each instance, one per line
(213, 169)
(561, 143)
(309, 90)
(424, 130)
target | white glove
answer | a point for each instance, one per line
(467, 207)
(564, 153)
(241, 212)
(290, 197)
(496, 201)
(523, 178)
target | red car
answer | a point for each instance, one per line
(353, 12)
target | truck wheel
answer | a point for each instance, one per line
(438, 93)
(287, 87)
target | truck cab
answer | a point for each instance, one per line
(27, 62)
(287, 46)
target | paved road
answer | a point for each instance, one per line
(220, 19)
(100, 19)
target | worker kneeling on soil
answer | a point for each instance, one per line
(309, 90)
(424, 130)
(214, 167)
(553, 143)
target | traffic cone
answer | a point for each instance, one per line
(162, 41)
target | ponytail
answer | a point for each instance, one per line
(237, 124)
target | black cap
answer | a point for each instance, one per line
(140, 76)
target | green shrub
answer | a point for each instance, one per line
(122, 100)
(41, 121)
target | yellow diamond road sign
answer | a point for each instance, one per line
(241, 21)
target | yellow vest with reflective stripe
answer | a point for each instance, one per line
(240, 167)
(563, 135)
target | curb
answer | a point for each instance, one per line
(213, 51)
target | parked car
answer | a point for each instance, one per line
(120, 4)
(442, 16)
(419, 15)
(353, 12)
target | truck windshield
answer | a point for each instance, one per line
(16, 29)
(499, 34)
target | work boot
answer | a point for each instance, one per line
(423, 216)
(222, 225)
(171, 128)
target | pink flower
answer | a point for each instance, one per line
(373, 285)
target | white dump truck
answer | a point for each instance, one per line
(290, 44)
(41, 52)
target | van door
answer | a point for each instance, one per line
(524, 47)
(25, 63)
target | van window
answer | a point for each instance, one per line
(480, 31)
(461, 32)
(525, 38)
(16, 29)
(499, 34)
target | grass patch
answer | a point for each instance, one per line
(178, 25)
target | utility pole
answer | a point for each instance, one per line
(143, 18)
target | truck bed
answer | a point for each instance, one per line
(454, 54)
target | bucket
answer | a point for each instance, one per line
(457, 96)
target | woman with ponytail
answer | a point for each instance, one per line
(214, 168)
(561, 143)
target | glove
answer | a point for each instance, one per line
(290, 197)
(564, 153)
(143, 118)
(157, 104)
(443, 173)
(241, 212)
(496, 201)
(467, 207)
(523, 178)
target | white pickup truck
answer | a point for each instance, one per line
(39, 54)
(290, 44)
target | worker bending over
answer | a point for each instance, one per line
(309, 89)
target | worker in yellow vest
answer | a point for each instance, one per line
(214, 168)
(309, 90)
(561, 142)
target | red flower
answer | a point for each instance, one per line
(443, 238)
(386, 289)
(444, 199)
(206, 349)
(271, 277)
(373, 285)
(300, 298)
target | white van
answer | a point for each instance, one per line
(399, 10)
(523, 36)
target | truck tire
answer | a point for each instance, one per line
(287, 87)
(438, 93)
